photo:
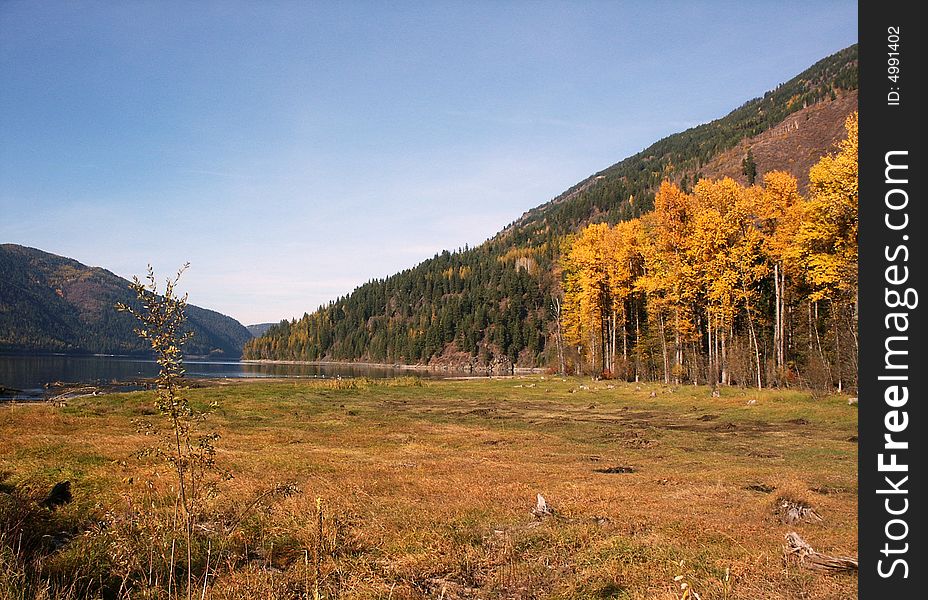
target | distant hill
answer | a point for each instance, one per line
(494, 303)
(56, 304)
(259, 329)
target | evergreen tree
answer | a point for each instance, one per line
(749, 167)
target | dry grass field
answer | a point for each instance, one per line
(427, 490)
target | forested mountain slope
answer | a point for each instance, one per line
(495, 304)
(55, 304)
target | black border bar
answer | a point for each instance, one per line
(893, 370)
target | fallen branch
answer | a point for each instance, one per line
(799, 550)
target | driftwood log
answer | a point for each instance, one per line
(798, 550)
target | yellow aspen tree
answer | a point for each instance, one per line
(780, 221)
(726, 245)
(624, 262)
(714, 235)
(828, 235)
(586, 293)
(668, 278)
(748, 256)
(827, 238)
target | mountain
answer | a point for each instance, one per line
(626, 189)
(56, 304)
(494, 305)
(259, 329)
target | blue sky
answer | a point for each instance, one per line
(294, 150)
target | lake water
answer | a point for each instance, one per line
(28, 374)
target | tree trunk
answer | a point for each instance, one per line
(747, 308)
(660, 315)
(809, 306)
(637, 343)
(818, 342)
(603, 342)
(676, 345)
(712, 375)
(625, 310)
(592, 346)
(777, 322)
(695, 348)
(838, 361)
(561, 363)
(612, 341)
(725, 374)
(783, 321)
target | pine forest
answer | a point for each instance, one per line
(648, 270)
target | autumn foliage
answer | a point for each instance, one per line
(725, 284)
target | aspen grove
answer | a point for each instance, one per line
(725, 284)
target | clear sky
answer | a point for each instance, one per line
(292, 151)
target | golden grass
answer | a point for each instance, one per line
(427, 487)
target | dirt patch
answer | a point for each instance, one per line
(760, 487)
(616, 469)
(638, 442)
(633, 438)
(496, 443)
(707, 418)
(481, 412)
(761, 454)
(828, 490)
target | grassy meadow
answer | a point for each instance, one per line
(427, 490)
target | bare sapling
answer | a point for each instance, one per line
(186, 446)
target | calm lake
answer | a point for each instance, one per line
(27, 374)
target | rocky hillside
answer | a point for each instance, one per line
(794, 145)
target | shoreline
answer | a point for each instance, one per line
(374, 365)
